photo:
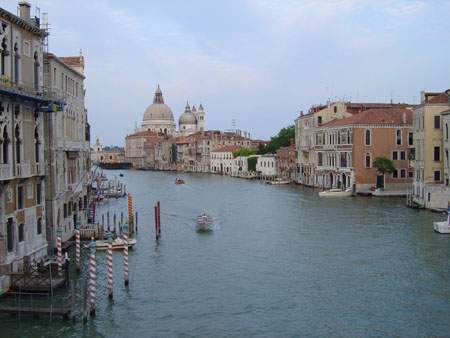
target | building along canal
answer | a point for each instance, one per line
(280, 263)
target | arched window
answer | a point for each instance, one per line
(21, 232)
(367, 137)
(36, 71)
(5, 146)
(36, 144)
(18, 141)
(16, 63)
(3, 56)
(39, 226)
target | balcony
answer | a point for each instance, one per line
(6, 172)
(23, 170)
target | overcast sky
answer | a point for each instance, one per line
(258, 62)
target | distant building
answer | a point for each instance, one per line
(345, 150)
(430, 186)
(266, 166)
(286, 162)
(222, 160)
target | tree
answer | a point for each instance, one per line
(243, 152)
(383, 165)
(282, 139)
(251, 163)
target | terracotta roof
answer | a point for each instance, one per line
(375, 116)
(440, 98)
(73, 61)
(226, 149)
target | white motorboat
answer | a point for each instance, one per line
(336, 193)
(204, 223)
(441, 227)
(279, 181)
(118, 243)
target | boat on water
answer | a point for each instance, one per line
(336, 193)
(279, 181)
(179, 181)
(204, 222)
(118, 243)
(444, 226)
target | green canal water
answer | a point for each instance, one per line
(280, 263)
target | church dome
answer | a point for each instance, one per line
(187, 117)
(158, 111)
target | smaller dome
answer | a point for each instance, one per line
(187, 117)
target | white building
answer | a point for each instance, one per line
(222, 160)
(240, 166)
(266, 166)
(67, 147)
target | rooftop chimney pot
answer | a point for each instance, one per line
(24, 10)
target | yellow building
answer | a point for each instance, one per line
(430, 188)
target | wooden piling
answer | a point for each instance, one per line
(110, 267)
(125, 253)
(59, 250)
(77, 247)
(92, 279)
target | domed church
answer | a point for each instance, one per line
(158, 117)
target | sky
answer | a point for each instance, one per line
(257, 62)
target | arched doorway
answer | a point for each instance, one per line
(344, 181)
(331, 180)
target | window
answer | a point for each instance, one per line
(36, 144)
(3, 54)
(16, 63)
(21, 233)
(5, 146)
(410, 138)
(38, 193)
(368, 161)
(395, 173)
(65, 210)
(367, 137)
(403, 173)
(398, 137)
(437, 175)
(9, 235)
(437, 153)
(335, 109)
(36, 70)
(319, 120)
(319, 159)
(437, 122)
(403, 155)
(39, 226)
(18, 141)
(20, 197)
(410, 174)
(394, 155)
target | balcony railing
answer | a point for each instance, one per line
(23, 170)
(6, 172)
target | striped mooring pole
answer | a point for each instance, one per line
(110, 267)
(125, 253)
(130, 212)
(59, 250)
(92, 279)
(77, 247)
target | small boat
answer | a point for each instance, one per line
(279, 181)
(179, 181)
(118, 243)
(336, 193)
(204, 223)
(441, 227)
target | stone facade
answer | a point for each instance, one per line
(67, 147)
(22, 164)
(266, 166)
(286, 162)
(222, 160)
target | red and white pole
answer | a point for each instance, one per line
(92, 279)
(125, 253)
(77, 248)
(110, 267)
(59, 251)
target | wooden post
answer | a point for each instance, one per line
(110, 267)
(136, 221)
(156, 222)
(107, 218)
(92, 279)
(130, 213)
(114, 219)
(125, 253)
(77, 247)
(159, 219)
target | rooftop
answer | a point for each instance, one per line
(387, 116)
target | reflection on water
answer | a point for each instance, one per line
(280, 262)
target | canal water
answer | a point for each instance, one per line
(280, 263)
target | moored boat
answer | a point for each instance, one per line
(116, 244)
(441, 227)
(279, 181)
(335, 193)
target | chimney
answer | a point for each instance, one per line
(24, 10)
(422, 96)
